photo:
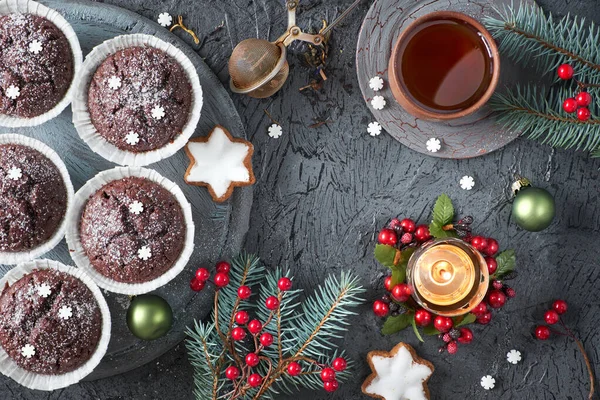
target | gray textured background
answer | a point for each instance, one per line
(322, 193)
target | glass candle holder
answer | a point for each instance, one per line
(448, 277)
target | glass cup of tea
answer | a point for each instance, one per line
(445, 65)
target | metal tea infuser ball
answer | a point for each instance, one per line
(259, 68)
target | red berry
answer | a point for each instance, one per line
(255, 380)
(485, 318)
(238, 333)
(401, 292)
(443, 324)
(583, 99)
(560, 306)
(294, 369)
(380, 308)
(242, 318)
(202, 274)
(496, 299)
(466, 336)
(570, 105)
(452, 347)
(232, 373)
(491, 264)
(266, 339)
(565, 71)
(387, 283)
(272, 303)
(224, 267)
(394, 224)
(422, 317)
(327, 374)
(479, 243)
(339, 364)
(221, 279)
(284, 284)
(583, 114)
(254, 326)
(252, 360)
(446, 338)
(510, 292)
(497, 284)
(480, 309)
(408, 225)
(406, 238)
(542, 332)
(551, 317)
(244, 292)
(388, 236)
(197, 285)
(422, 233)
(492, 247)
(331, 386)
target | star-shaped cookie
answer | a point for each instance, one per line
(397, 375)
(220, 162)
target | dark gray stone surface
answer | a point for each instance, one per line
(322, 193)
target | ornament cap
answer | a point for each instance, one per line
(519, 184)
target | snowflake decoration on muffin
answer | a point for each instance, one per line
(144, 253)
(378, 102)
(158, 112)
(275, 131)
(376, 83)
(136, 207)
(374, 128)
(65, 312)
(35, 47)
(28, 351)
(488, 382)
(132, 138)
(15, 173)
(44, 290)
(467, 182)
(114, 82)
(165, 19)
(433, 145)
(12, 92)
(513, 356)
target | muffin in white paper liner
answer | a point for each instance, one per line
(12, 257)
(81, 116)
(74, 221)
(35, 8)
(31, 380)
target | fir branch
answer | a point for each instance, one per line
(205, 350)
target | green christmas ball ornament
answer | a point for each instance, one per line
(149, 317)
(533, 208)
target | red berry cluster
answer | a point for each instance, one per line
(202, 276)
(552, 316)
(403, 233)
(581, 101)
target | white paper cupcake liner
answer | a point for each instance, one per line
(74, 239)
(32, 380)
(32, 7)
(81, 116)
(10, 258)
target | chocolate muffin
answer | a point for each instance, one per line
(33, 198)
(132, 230)
(36, 65)
(140, 99)
(50, 322)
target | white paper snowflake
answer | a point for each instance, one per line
(467, 182)
(28, 351)
(144, 253)
(136, 207)
(378, 102)
(15, 173)
(374, 128)
(158, 112)
(65, 312)
(164, 19)
(35, 47)
(433, 145)
(376, 83)
(44, 290)
(114, 82)
(513, 356)
(488, 382)
(12, 92)
(132, 138)
(275, 131)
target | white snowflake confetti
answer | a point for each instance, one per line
(433, 145)
(378, 102)
(158, 112)
(374, 128)
(44, 290)
(15, 173)
(144, 253)
(28, 351)
(275, 131)
(12, 92)
(164, 19)
(513, 356)
(467, 182)
(136, 207)
(35, 47)
(65, 312)
(376, 83)
(132, 138)
(488, 382)
(114, 82)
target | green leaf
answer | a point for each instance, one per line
(416, 331)
(466, 320)
(438, 233)
(430, 330)
(443, 211)
(506, 263)
(396, 324)
(386, 255)
(398, 275)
